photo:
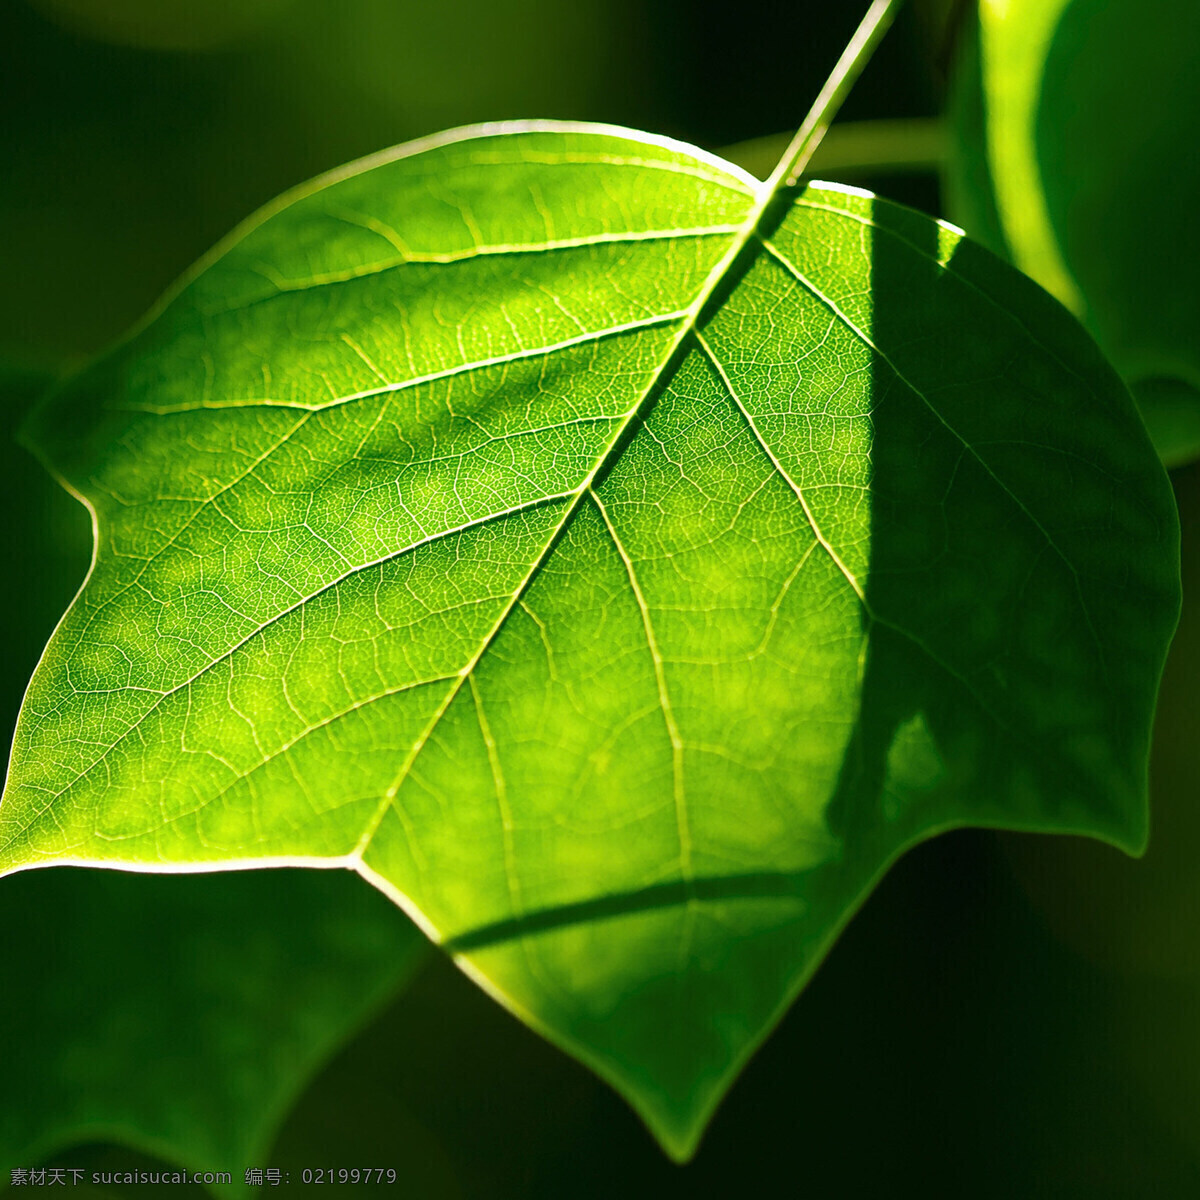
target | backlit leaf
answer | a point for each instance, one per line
(616, 568)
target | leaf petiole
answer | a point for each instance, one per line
(855, 149)
(867, 36)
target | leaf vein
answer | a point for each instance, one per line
(285, 287)
(582, 339)
(779, 257)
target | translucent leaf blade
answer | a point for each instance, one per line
(616, 578)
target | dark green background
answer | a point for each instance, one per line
(1008, 1016)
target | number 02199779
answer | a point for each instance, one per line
(348, 1175)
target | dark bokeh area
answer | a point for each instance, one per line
(1008, 1016)
(135, 134)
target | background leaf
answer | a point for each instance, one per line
(182, 1016)
(1076, 122)
(624, 639)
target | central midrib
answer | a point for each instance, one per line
(636, 418)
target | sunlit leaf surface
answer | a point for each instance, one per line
(617, 575)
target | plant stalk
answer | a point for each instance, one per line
(856, 149)
(837, 87)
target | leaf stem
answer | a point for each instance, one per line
(892, 146)
(837, 87)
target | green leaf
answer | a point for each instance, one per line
(1086, 114)
(182, 1017)
(616, 567)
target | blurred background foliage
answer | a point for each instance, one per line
(1008, 1016)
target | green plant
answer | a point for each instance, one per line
(615, 560)
(1069, 117)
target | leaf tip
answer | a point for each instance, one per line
(677, 1125)
(1134, 840)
